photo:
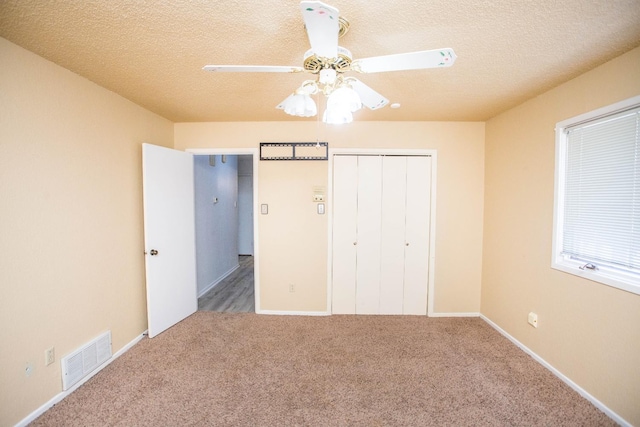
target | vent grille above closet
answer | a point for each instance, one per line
(294, 151)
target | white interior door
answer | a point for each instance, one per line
(345, 215)
(416, 274)
(369, 223)
(394, 185)
(169, 234)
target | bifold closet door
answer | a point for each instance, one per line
(345, 216)
(381, 222)
(392, 249)
(368, 235)
(418, 220)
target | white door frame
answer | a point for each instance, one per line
(255, 152)
(432, 231)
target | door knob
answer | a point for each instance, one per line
(153, 252)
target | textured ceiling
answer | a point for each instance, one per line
(152, 52)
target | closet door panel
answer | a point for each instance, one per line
(368, 231)
(394, 180)
(417, 235)
(345, 213)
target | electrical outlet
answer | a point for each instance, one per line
(49, 356)
(533, 319)
(292, 287)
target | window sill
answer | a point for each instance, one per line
(625, 281)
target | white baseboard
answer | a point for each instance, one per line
(453, 314)
(582, 392)
(217, 281)
(326, 313)
(58, 397)
(293, 313)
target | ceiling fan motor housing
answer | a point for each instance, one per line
(314, 64)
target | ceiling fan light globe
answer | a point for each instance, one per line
(289, 106)
(286, 105)
(310, 108)
(300, 105)
(337, 116)
(344, 97)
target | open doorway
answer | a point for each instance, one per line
(224, 223)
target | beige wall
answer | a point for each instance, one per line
(588, 331)
(71, 263)
(293, 238)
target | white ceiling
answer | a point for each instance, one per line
(152, 52)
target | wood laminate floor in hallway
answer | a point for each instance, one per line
(235, 293)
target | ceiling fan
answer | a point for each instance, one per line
(330, 62)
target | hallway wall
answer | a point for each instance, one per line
(216, 197)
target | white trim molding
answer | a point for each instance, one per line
(58, 397)
(293, 313)
(582, 392)
(454, 314)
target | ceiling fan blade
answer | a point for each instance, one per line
(369, 97)
(252, 69)
(406, 61)
(321, 21)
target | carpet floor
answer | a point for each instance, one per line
(244, 369)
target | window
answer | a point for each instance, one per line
(597, 196)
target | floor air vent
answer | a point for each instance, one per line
(81, 362)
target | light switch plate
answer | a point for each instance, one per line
(320, 208)
(264, 209)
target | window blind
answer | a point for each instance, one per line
(601, 223)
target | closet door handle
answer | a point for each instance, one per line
(153, 252)
(406, 244)
(355, 243)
